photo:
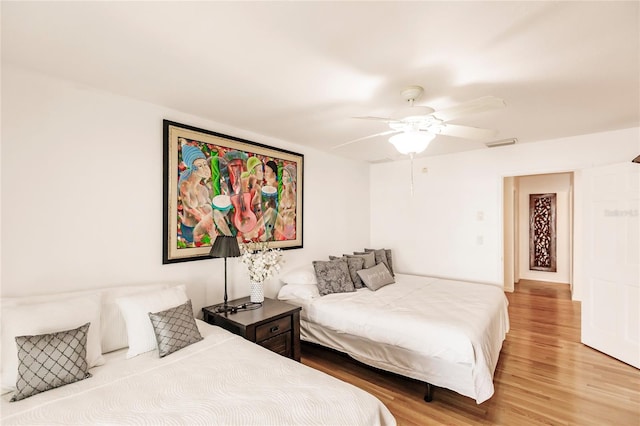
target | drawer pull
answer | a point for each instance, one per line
(273, 328)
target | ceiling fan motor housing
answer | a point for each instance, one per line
(412, 93)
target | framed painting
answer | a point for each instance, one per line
(542, 232)
(216, 184)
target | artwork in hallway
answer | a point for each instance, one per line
(216, 184)
(542, 232)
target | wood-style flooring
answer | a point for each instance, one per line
(544, 375)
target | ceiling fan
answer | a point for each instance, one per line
(413, 127)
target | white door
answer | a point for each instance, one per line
(611, 300)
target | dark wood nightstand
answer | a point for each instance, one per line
(275, 326)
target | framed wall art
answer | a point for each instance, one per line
(216, 184)
(542, 232)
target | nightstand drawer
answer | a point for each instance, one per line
(273, 328)
(280, 344)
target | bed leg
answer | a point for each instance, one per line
(428, 396)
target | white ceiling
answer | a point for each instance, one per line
(299, 71)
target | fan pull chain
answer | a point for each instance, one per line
(411, 156)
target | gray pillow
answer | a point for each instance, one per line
(376, 277)
(382, 256)
(354, 264)
(369, 258)
(48, 361)
(390, 261)
(333, 276)
(175, 328)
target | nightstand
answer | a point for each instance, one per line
(275, 326)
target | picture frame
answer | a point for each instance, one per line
(216, 184)
(542, 232)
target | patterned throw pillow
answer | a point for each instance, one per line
(175, 328)
(369, 258)
(382, 256)
(354, 264)
(48, 361)
(333, 276)
(376, 277)
(390, 262)
(47, 314)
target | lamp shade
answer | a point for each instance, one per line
(411, 142)
(225, 246)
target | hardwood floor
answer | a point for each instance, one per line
(544, 375)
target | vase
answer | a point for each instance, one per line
(257, 292)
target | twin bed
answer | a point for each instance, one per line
(220, 379)
(445, 333)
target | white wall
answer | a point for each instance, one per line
(82, 194)
(560, 184)
(508, 229)
(452, 226)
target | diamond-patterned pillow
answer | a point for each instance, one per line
(175, 328)
(48, 361)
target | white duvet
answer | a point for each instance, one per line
(458, 323)
(221, 380)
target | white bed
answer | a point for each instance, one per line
(443, 332)
(219, 380)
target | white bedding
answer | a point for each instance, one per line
(447, 333)
(221, 380)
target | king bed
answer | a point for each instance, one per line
(212, 377)
(445, 333)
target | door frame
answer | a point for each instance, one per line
(510, 236)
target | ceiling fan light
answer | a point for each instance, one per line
(411, 142)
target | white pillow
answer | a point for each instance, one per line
(135, 310)
(298, 291)
(302, 275)
(40, 318)
(114, 328)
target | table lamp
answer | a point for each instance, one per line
(225, 246)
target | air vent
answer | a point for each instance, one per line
(382, 160)
(501, 142)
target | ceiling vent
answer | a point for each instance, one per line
(501, 142)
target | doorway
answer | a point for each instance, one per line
(517, 190)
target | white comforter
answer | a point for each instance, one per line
(458, 322)
(222, 380)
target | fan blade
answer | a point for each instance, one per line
(485, 103)
(466, 132)
(388, 132)
(383, 119)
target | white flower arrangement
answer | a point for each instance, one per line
(262, 262)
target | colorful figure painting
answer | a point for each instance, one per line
(220, 185)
